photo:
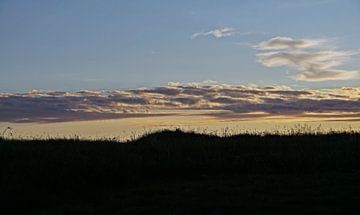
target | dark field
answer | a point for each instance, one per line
(172, 172)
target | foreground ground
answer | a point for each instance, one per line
(172, 172)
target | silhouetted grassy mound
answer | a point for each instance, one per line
(175, 172)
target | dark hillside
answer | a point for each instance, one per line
(174, 172)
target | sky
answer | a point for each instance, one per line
(171, 62)
(92, 45)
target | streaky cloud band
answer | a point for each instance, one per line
(212, 99)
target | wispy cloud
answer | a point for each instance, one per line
(214, 99)
(278, 43)
(217, 33)
(311, 65)
(225, 32)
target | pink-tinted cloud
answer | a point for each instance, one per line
(234, 100)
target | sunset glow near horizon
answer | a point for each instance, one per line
(112, 68)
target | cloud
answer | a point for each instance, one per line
(278, 43)
(214, 99)
(315, 75)
(311, 65)
(217, 33)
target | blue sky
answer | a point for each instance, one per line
(73, 45)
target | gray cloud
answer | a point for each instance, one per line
(311, 65)
(237, 101)
(278, 43)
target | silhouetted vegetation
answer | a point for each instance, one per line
(176, 172)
